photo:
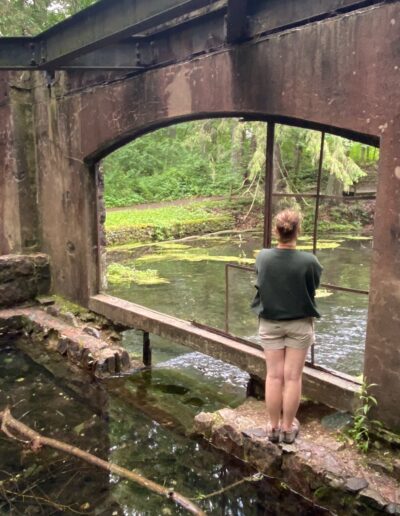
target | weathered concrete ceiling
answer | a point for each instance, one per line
(138, 35)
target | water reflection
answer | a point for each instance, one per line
(53, 483)
(196, 291)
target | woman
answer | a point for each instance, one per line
(286, 284)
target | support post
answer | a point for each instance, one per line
(255, 388)
(317, 199)
(146, 349)
(226, 327)
(236, 21)
(269, 181)
(316, 214)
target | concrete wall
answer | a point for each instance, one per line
(342, 72)
(23, 277)
(19, 217)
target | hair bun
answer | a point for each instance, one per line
(287, 223)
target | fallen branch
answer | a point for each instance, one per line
(9, 426)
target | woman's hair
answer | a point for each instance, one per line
(287, 225)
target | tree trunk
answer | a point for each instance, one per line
(334, 186)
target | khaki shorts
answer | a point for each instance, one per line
(296, 333)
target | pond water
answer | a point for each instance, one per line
(195, 290)
(142, 426)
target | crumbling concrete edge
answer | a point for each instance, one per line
(321, 483)
(92, 354)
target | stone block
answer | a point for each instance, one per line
(260, 452)
(355, 484)
(393, 508)
(203, 423)
(23, 277)
(373, 499)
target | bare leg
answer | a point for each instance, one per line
(293, 369)
(275, 359)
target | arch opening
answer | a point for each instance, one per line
(163, 267)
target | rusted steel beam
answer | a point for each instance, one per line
(166, 31)
(236, 21)
(106, 23)
(278, 16)
(18, 53)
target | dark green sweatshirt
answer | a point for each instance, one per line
(286, 284)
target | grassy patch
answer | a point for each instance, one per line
(118, 274)
(166, 215)
(157, 224)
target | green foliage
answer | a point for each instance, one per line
(360, 431)
(187, 160)
(30, 17)
(165, 223)
(224, 156)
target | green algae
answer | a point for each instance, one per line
(356, 237)
(321, 245)
(66, 306)
(322, 292)
(128, 247)
(173, 246)
(194, 256)
(118, 274)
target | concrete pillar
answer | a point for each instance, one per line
(382, 354)
(18, 194)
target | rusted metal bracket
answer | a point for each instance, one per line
(19, 53)
(236, 22)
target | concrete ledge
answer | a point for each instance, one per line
(330, 472)
(339, 393)
(88, 352)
